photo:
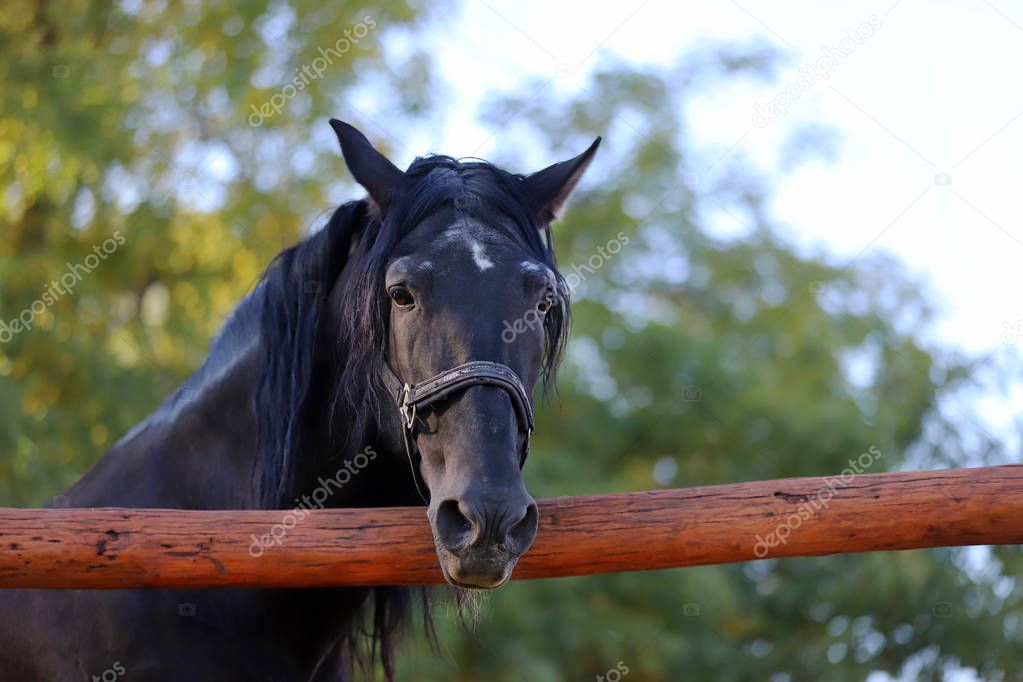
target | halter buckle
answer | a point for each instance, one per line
(408, 415)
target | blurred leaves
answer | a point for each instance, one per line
(695, 359)
(733, 359)
(137, 119)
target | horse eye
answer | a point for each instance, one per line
(546, 303)
(401, 297)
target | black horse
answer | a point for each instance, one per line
(416, 283)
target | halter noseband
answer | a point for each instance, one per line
(410, 397)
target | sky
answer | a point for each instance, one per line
(917, 97)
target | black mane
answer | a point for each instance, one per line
(313, 318)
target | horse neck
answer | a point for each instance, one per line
(196, 451)
(199, 450)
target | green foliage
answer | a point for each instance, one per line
(139, 122)
(695, 359)
(728, 360)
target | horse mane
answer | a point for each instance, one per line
(293, 295)
(294, 298)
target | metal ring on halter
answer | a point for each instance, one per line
(403, 407)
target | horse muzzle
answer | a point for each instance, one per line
(478, 545)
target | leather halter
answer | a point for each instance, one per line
(410, 397)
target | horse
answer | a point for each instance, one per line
(377, 347)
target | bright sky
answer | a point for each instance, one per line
(928, 130)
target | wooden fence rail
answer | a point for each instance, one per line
(124, 548)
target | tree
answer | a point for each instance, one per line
(153, 160)
(159, 156)
(700, 360)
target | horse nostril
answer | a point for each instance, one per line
(520, 536)
(454, 529)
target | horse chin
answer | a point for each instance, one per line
(475, 571)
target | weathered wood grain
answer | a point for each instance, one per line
(122, 548)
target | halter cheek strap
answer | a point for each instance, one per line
(410, 397)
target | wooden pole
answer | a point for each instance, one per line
(131, 548)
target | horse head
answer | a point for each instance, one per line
(471, 313)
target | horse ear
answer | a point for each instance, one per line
(550, 187)
(371, 169)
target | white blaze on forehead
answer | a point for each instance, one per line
(462, 233)
(479, 256)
